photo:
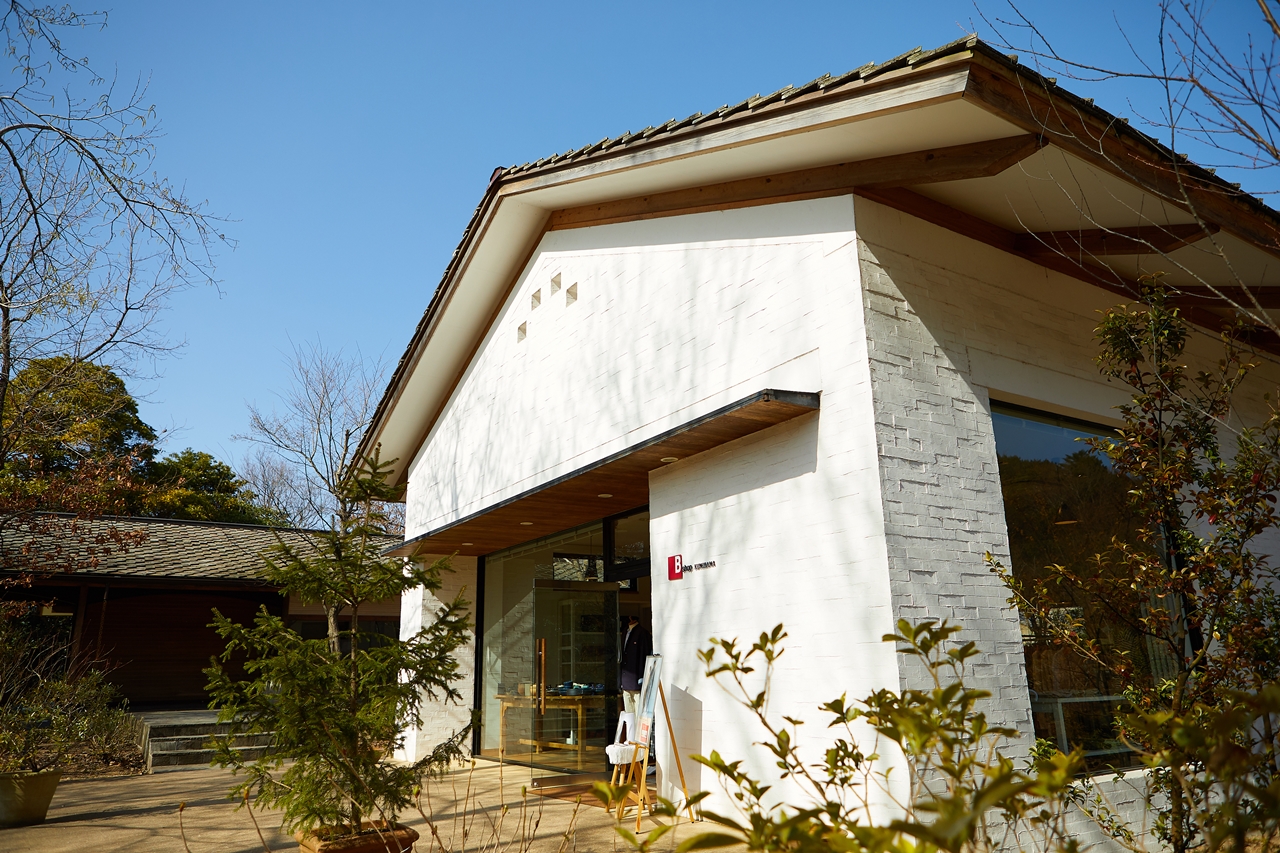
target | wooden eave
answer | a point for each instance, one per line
(576, 498)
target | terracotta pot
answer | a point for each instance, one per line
(25, 796)
(375, 837)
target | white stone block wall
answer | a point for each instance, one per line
(951, 325)
(440, 720)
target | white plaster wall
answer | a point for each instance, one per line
(793, 518)
(674, 318)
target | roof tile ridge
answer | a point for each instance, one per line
(188, 522)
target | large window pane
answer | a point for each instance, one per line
(1064, 505)
(544, 625)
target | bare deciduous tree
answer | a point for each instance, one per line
(310, 440)
(274, 483)
(91, 241)
(1214, 100)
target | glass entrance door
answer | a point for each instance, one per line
(549, 655)
(575, 636)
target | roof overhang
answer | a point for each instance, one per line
(954, 99)
(614, 484)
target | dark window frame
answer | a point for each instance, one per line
(999, 407)
(638, 568)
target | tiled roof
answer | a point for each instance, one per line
(829, 86)
(177, 549)
(756, 103)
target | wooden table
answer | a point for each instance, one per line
(579, 703)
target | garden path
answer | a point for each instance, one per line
(140, 813)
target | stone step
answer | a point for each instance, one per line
(182, 744)
(167, 730)
(202, 757)
(171, 740)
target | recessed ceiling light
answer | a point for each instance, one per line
(670, 459)
(465, 544)
(526, 524)
(604, 495)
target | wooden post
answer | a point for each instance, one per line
(78, 630)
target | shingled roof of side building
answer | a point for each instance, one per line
(203, 552)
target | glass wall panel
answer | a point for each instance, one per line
(549, 653)
(1063, 506)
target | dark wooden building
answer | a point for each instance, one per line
(146, 610)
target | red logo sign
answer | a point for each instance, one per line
(675, 568)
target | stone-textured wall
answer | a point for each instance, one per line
(952, 324)
(440, 720)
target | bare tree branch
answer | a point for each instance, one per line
(314, 431)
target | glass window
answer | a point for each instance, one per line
(627, 546)
(549, 653)
(1064, 505)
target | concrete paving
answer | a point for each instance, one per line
(140, 813)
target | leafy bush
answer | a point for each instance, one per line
(961, 793)
(53, 707)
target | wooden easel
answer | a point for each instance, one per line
(638, 771)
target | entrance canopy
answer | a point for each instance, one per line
(613, 484)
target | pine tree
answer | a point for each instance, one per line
(338, 706)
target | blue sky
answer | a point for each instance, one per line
(349, 143)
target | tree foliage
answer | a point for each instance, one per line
(79, 420)
(62, 412)
(337, 707)
(194, 485)
(1189, 582)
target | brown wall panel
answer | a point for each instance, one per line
(157, 642)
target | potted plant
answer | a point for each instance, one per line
(51, 707)
(30, 745)
(337, 707)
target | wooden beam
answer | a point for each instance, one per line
(1200, 313)
(1267, 297)
(945, 216)
(1110, 149)
(953, 163)
(1090, 242)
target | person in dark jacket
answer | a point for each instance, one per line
(636, 646)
